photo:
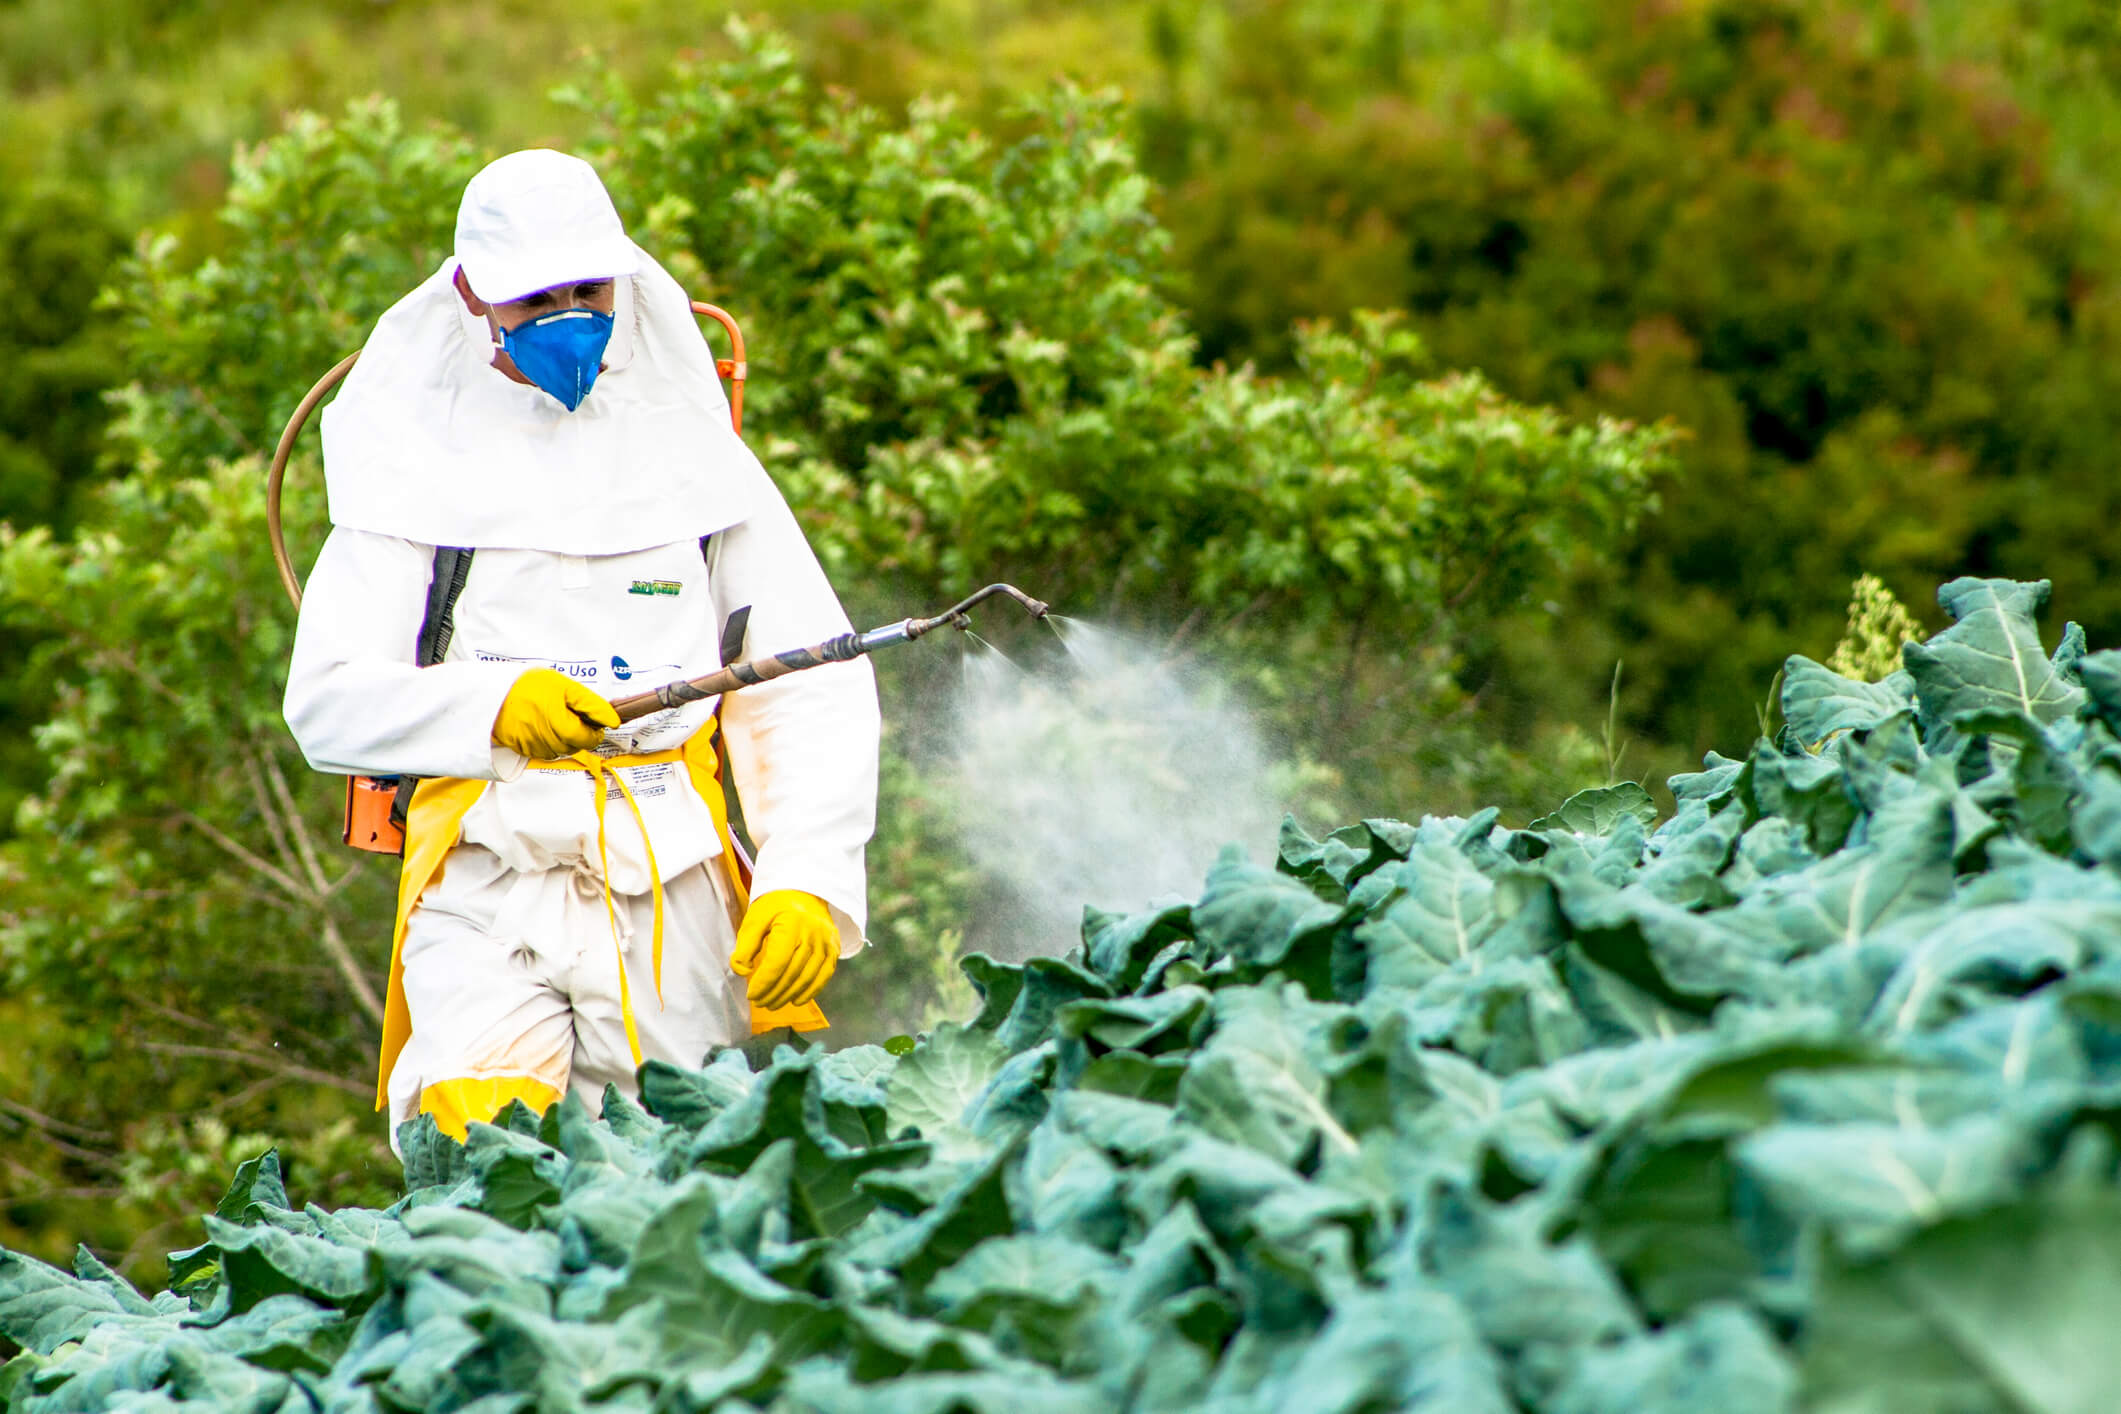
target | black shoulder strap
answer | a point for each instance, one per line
(444, 587)
(733, 634)
(733, 629)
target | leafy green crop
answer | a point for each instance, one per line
(1809, 1096)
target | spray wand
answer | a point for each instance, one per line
(833, 650)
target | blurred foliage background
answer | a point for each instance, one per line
(1416, 360)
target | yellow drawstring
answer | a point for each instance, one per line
(598, 767)
(438, 810)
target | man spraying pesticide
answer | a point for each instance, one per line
(539, 505)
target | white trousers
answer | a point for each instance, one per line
(516, 974)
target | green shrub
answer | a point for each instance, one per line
(1845, 243)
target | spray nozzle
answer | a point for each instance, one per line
(956, 617)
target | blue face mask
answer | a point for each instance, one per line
(560, 351)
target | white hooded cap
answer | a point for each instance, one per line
(429, 442)
(535, 219)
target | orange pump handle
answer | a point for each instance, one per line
(735, 369)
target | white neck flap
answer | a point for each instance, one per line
(428, 442)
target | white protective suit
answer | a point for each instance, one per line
(587, 533)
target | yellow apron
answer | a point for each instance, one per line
(435, 819)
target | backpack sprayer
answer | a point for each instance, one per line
(375, 806)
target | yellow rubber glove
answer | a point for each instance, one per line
(547, 715)
(788, 946)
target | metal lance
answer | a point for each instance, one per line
(833, 650)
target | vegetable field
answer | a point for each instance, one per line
(1808, 1097)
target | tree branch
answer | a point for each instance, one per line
(47, 1129)
(52, 1194)
(285, 1067)
(259, 1045)
(1176, 653)
(38, 1188)
(145, 1243)
(350, 968)
(268, 812)
(55, 1126)
(296, 825)
(219, 418)
(353, 871)
(296, 893)
(291, 835)
(221, 1104)
(118, 657)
